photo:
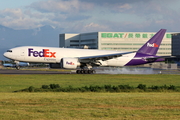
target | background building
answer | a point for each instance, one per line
(119, 41)
(176, 44)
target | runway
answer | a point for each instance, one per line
(98, 71)
(14, 71)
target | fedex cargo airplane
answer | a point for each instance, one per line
(86, 59)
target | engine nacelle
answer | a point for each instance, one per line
(70, 63)
(67, 63)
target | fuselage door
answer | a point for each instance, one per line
(22, 54)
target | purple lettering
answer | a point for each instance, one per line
(30, 51)
(35, 54)
(43, 53)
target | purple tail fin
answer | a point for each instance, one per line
(151, 47)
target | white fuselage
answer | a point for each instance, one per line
(54, 55)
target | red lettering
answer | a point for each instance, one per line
(53, 54)
(156, 45)
(46, 53)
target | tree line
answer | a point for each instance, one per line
(104, 88)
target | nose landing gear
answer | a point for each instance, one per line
(17, 65)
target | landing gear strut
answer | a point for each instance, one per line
(85, 71)
(17, 65)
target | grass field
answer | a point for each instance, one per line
(89, 106)
(84, 106)
(9, 83)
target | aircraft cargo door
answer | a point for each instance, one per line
(22, 54)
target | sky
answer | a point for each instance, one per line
(76, 16)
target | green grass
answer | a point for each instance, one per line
(89, 106)
(9, 83)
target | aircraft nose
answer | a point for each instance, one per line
(6, 54)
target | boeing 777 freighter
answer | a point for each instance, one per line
(86, 59)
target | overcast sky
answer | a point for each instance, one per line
(92, 15)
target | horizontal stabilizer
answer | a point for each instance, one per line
(159, 57)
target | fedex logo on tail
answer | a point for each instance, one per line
(43, 53)
(69, 63)
(152, 45)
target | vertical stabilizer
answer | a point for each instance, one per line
(151, 47)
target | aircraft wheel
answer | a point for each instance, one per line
(17, 67)
(85, 71)
(81, 71)
(89, 71)
(93, 71)
(78, 71)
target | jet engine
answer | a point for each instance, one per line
(67, 63)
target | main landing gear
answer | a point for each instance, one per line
(85, 71)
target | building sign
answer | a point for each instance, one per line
(130, 35)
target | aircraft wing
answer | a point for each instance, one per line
(104, 57)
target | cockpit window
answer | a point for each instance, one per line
(9, 50)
